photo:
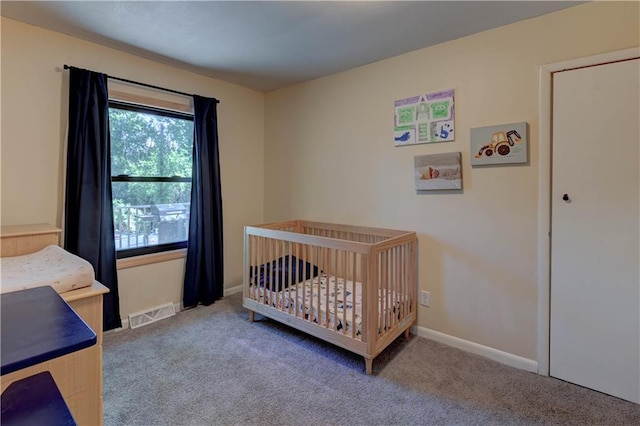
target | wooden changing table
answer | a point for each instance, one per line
(78, 375)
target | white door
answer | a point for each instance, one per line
(595, 249)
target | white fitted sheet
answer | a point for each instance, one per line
(51, 266)
(329, 301)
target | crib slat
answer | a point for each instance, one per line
(354, 296)
(387, 294)
(345, 289)
(262, 249)
(383, 281)
(273, 254)
(313, 255)
(253, 268)
(255, 249)
(373, 307)
(269, 246)
(293, 293)
(284, 273)
(387, 284)
(248, 258)
(394, 287)
(401, 286)
(289, 280)
(390, 291)
(246, 285)
(377, 279)
(266, 255)
(299, 308)
(364, 271)
(283, 276)
(414, 277)
(394, 283)
(293, 279)
(405, 281)
(320, 254)
(308, 279)
(334, 294)
(277, 272)
(327, 287)
(406, 265)
(274, 273)
(319, 317)
(256, 270)
(394, 292)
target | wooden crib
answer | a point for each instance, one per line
(352, 286)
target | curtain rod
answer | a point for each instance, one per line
(66, 67)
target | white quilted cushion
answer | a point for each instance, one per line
(52, 266)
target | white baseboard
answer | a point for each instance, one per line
(233, 290)
(478, 349)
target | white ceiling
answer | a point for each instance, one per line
(265, 45)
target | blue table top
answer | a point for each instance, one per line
(37, 325)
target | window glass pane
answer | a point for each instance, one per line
(148, 144)
(150, 147)
(150, 213)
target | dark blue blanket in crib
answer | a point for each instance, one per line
(275, 275)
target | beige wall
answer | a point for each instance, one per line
(329, 155)
(34, 119)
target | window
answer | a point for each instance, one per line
(151, 164)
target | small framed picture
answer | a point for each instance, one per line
(438, 171)
(502, 144)
(425, 118)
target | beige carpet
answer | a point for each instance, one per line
(210, 366)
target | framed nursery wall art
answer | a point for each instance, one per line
(426, 118)
(502, 144)
(438, 171)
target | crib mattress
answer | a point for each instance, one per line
(309, 298)
(52, 266)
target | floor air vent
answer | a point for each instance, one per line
(153, 315)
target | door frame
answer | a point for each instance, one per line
(544, 188)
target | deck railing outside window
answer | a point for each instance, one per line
(149, 224)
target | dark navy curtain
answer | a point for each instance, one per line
(88, 224)
(204, 272)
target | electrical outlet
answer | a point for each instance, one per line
(425, 298)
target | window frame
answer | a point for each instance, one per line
(148, 109)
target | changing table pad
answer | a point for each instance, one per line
(52, 266)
